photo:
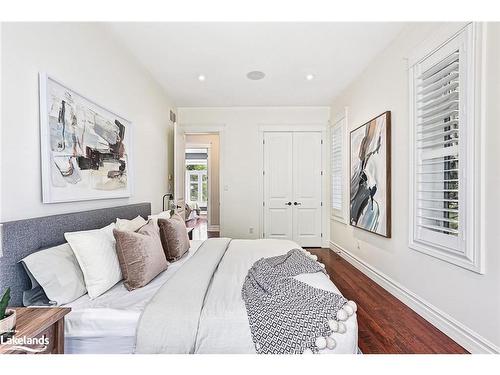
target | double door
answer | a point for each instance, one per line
(293, 186)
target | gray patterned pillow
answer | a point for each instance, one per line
(174, 237)
(140, 255)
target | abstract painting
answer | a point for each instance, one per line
(85, 147)
(370, 203)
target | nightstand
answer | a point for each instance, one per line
(46, 324)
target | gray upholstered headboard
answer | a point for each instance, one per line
(23, 237)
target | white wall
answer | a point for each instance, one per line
(241, 202)
(472, 300)
(86, 58)
(213, 171)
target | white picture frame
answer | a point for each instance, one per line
(79, 162)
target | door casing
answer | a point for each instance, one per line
(195, 128)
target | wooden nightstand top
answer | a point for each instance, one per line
(32, 321)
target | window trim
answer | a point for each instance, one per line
(473, 256)
(341, 121)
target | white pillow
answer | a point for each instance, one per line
(161, 215)
(96, 254)
(58, 273)
(130, 225)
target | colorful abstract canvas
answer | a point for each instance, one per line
(85, 147)
(370, 203)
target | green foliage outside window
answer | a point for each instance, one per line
(196, 167)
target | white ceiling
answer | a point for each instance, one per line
(176, 53)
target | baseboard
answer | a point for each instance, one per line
(213, 228)
(463, 335)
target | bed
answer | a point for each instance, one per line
(120, 321)
(108, 324)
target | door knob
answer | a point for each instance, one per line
(288, 203)
(296, 203)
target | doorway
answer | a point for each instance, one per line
(202, 191)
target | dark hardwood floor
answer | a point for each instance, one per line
(386, 325)
(213, 234)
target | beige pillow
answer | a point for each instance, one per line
(130, 225)
(174, 237)
(161, 215)
(140, 255)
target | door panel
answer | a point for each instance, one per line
(179, 170)
(279, 223)
(307, 178)
(278, 152)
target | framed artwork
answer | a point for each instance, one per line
(370, 171)
(85, 148)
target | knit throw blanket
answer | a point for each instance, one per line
(287, 316)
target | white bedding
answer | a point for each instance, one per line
(108, 324)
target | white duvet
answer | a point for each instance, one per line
(222, 325)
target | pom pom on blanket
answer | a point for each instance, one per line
(342, 327)
(314, 257)
(334, 325)
(342, 314)
(353, 305)
(320, 343)
(330, 343)
(348, 309)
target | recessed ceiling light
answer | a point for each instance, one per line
(310, 77)
(201, 78)
(255, 75)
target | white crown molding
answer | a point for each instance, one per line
(462, 334)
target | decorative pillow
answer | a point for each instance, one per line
(57, 272)
(96, 254)
(161, 215)
(174, 237)
(140, 255)
(130, 225)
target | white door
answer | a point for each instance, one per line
(292, 187)
(307, 176)
(278, 190)
(179, 169)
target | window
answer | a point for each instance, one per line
(443, 186)
(197, 182)
(338, 175)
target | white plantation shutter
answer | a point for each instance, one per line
(438, 152)
(338, 155)
(337, 174)
(442, 95)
